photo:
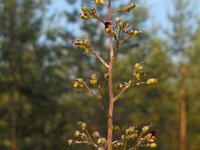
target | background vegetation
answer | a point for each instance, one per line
(39, 109)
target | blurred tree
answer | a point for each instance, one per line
(180, 38)
(29, 84)
(193, 92)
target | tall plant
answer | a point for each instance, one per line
(118, 31)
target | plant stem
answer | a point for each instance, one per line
(110, 85)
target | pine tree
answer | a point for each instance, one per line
(180, 37)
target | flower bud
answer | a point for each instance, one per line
(93, 79)
(106, 76)
(152, 81)
(77, 133)
(75, 84)
(134, 32)
(101, 2)
(138, 76)
(117, 19)
(83, 136)
(93, 11)
(145, 129)
(108, 30)
(119, 86)
(132, 5)
(121, 24)
(130, 130)
(86, 42)
(138, 67)
(71, 142)
(118, 144)
(101, 141)
(95, 135)
(80, 80)
(83, 125)
(153, 145)
(84, 8)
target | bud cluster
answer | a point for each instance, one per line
(84, 137)
(131, 138)
(138, 71)
(100, 2)
(85, 45)
(127, 8)
(88, 13)
(79, 83)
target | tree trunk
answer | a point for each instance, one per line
(183, 113)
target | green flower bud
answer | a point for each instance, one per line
(101, 141)
(86, 42)
(95, 134)
(71, 142)
(152, 81)
(84, 16)
(130, 130)
(83, 125)
(80, 80)
(138, 67)
(134, 32)
(121, 24)
(145, 129)
(117, 19)
(83, 136)
(132, 5)
(93, 11)
(108, 30)
(77, 133)
(93, 79)
(153, 145)
(138, 76)
(84, 8)
(101, 2)
(75, 84)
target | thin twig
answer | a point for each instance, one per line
(121, 93)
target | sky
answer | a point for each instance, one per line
(158, 10)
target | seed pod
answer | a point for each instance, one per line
(152, 81)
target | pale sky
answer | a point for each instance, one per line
(158, 10)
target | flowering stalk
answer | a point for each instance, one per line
(118, 31)
(110, 84)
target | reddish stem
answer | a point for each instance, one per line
(110, 85)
